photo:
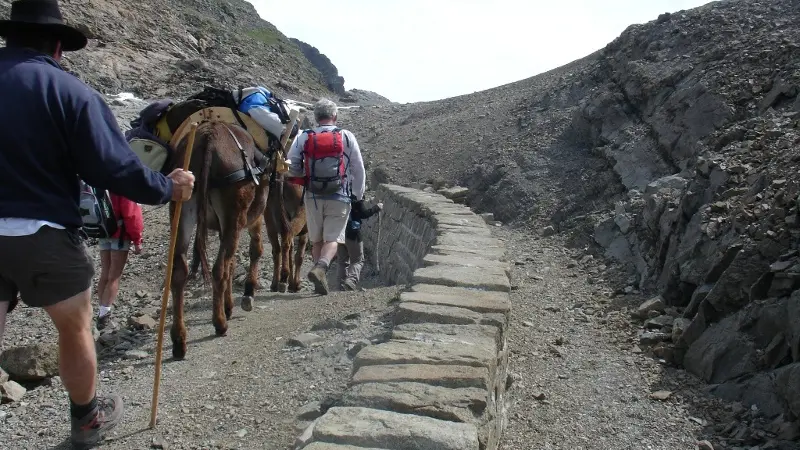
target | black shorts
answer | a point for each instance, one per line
(44, 268)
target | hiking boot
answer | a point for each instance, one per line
(317, 275)
(92, 429)
(349, 285)
(103, 322)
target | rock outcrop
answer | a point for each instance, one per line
(364, 98)
(335, 82)
(330, 73)
(700, 124)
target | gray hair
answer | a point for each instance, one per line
(324, 109)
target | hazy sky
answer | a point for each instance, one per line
(420, 50)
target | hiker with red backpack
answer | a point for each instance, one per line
(114, 253)
(330, 161)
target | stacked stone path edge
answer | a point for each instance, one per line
(439, 382)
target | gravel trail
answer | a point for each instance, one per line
(580, 381)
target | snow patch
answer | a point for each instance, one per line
(125, 96)
(298, 105)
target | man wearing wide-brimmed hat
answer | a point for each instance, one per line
(55, 130)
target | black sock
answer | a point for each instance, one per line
(81, 411)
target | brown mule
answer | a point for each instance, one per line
(285, 218)
(224, 205)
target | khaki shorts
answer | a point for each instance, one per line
(326, 219)
(47, 267)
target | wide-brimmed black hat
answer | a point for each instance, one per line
(42, 16)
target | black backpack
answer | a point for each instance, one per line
(216, 97)
(99, 220)
(278, 106)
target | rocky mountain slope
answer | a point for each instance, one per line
(673, 150)
(153, 49)
(156, 49)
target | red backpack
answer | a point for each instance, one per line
(323, 154)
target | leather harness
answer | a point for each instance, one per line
(248, 171)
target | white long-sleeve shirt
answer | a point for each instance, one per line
(354, 165)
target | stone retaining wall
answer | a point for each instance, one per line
(406, 235)
(439, 383)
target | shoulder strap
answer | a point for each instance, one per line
(309, 137)
(344, 135)
(277, 105)
(234, 107)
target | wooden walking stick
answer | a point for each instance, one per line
(173, 237)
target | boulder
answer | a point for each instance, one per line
(679, 325)
(33, 362)
(11, 392)
(787, 386)
(721, 353)
(654, 304)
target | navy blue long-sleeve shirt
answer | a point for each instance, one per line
(54, 129)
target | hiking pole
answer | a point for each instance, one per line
(173, 238)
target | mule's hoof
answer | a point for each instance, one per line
(247, 303)
(282, 287)
(273, 287)
(179, 352)
(220, 326)
(178, 343)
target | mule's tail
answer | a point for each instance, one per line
(201, 235)
(286, 222)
